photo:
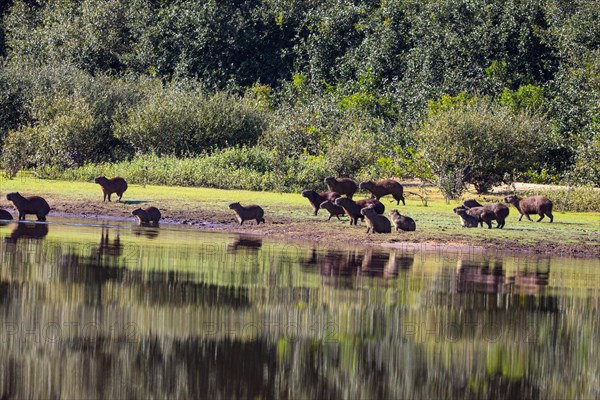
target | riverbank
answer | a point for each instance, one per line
(289, 216)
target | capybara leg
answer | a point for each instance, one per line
(541, 217)
(21, 217)
(110, 194)
(368, 229)
(241, 222)
(41, 218)
(331, 215)
(316, 211)
(338, 217)
(528, 217)
(120, 196)
(489, 224)
(104, 197)
(549, 214)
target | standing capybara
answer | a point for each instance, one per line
(109, 186)
(383, 188)
(466, 220)
(402, 222)
(375, 222)
(147, 215)
(29, 205)
(245, 213)
(483, 215)
(316, 199)
(539, 205)
(352, 208)
(341, 185)
(5, 215)
(500, 210)
(333, 209)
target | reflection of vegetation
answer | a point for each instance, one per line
(200, 313)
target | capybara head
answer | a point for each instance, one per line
(100, 179)
(393, 213)
(306, 193)
(329, 180)
(233, 206)
(512, 199)
(368, 211)
(12, 196)
(460, 210)
(365, 185)
(137, 211)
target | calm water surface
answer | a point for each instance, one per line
(111, 310)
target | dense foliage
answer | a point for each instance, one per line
(360, 88)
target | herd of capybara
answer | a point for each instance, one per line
(337, 201)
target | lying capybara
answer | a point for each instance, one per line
(466, 220)
(333, 209)
(341, 185)
(376, 204)
(471, 204)
(402, 222)
(483, 215)
(539, 205)
(29, 205)
(375, 222)
(147, 215)
(109, 186)
(245, 213)
(5, 215)
(316, 199)
(383, 188)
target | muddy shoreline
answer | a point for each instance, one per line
(318, 231)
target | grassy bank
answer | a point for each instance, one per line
(289, 216)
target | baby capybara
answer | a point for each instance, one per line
(147, 215)
(341, 185)
(316, 199)
(5, 215)
(29, 205)
(333, 209)
(375, 222)
(539, 205)
(109, 186)
(245, 213)
(500, 211)
(383, 188)
(466, 220)
(402, 222)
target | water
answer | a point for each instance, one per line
(110, 310)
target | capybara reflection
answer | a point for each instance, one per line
(375, 222)
(5, 215)
(341, 185)
(246, 213)
(539, 205)
(28, 230)
(150, 215)
(334, 211)
(29, 205)
(352, 208)
(109, 186)
(316, 199)
(383, 188)
(402, 222)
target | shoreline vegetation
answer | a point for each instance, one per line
(289, 217)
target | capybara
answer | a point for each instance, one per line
(376, 204)
(245, 213)
(483, 215)
(351, 208)
(29, 205)
(341, 185)
(467, 220)
(402, 222)
(316, 199)
(383, 188)
(109, 186)
(471, 204)
(539, 205)
(333, 209)
(147, 215)
(5, 215)
(500, 211)
(375, 222)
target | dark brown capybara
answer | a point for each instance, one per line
(334, 211)
(351, 209)
(375, 222)
(341, 185)
(376, 204)
(316, 199)
(5, 215)
(402, 222)
(116, 185)
(383, 188)
(149, 215)
(471, 204)
(466, 220)
(539, 205)
(483, 215)
(500, 210)
(29, 205)
(246, 213)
